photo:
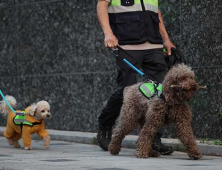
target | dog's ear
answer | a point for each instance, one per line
(167, 90)
(32, 110)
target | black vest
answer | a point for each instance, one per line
(130, 27)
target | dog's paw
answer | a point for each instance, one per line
(154, 154)
(46, 141)
(28, 148)
(114, 149)
(10, 141)
(195, 156)
(16, 144)
(142, 154)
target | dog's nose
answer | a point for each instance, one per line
(48, 115)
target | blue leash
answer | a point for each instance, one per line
(7, 102)
(133, 67)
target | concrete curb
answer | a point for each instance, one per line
(129, 141)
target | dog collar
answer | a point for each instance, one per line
(36, 118)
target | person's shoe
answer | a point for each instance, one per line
(160, 147)
(104, 138)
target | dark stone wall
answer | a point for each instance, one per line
(53, 50)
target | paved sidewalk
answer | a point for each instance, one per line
(75, 156)
(129, 141)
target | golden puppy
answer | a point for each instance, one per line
(25, 123)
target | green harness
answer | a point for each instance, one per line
(151, 89)
(20, 119)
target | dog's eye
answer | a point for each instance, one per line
(42, 111)
(48, 110)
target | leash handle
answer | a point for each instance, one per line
(7, 102)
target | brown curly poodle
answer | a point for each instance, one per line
(156, 112)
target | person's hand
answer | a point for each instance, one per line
(168, 44)
(110, 40)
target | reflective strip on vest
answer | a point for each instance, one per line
(20, 119)
(147, 89)
(22, 113)
(115, 6)
(118, 2)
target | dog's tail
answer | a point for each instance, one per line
(4, 108)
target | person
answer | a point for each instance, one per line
(137, 27)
